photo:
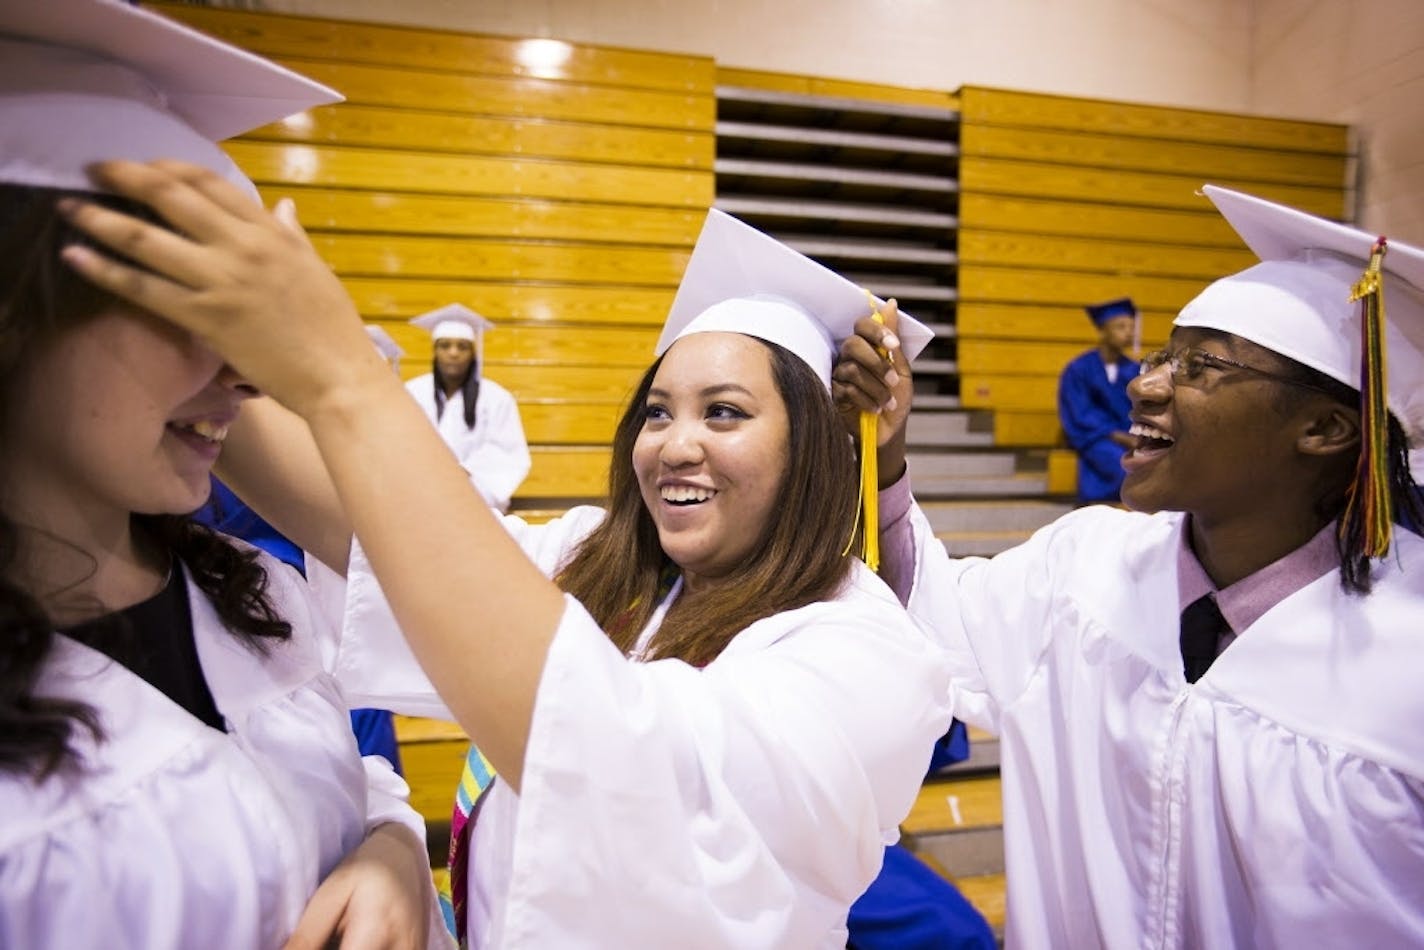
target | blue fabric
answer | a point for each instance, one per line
(1091, 409)
(910, 907)
(225, 512)
(952, 747)
(376, 735)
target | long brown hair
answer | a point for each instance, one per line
(796, 561)
(40, 298)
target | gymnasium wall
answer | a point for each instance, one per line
(1351, 62)
(1066, 201)
(562, 209)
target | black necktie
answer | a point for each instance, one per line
(1202, 627)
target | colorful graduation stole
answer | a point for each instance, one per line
(475, 781)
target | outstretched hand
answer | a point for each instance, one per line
(872, 375)
(246, 282)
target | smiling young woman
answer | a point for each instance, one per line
(176, 760)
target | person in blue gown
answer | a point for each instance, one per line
(1093, 404)
(225, 512)
(909, 906)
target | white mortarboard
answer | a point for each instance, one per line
(1296, 302)
(740, 280)
(385, 344)
(453, 322)
(82, 81)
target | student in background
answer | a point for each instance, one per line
(476, 416)
(706, 719)
(176, 762)
(1207, 704)
(1093, 403)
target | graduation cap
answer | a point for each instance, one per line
(386, 345)
(1340, 301)
(1101, 313)
(453, 322)
(740, 280)
(82, 81)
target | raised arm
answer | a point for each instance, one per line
(271, 460)
(239, 279)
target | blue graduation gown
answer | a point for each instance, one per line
(1091, 409)
(909, 906)
(225, 512)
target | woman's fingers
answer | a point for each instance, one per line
(146, 290)
(859, 378)
(158, 249)
(195, 200)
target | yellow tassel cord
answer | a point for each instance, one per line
(1368, 522)
(867, 508)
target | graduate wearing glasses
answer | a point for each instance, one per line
(1209, 705)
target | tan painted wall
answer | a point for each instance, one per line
(1360, 62)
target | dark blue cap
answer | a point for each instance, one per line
(1103, 312)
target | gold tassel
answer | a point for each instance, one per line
(867, 508)
(1368, 521)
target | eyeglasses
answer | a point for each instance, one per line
(1189, 363)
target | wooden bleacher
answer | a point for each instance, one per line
(563, 206)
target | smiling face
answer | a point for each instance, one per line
(119, 414)
(1218, 445)
(712, 452)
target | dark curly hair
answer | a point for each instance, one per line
(40, 298)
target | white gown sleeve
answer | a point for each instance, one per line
(746, 804)
(994, 617)
(375, 665)
(498, 458)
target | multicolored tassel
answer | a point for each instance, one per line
(1368, 522)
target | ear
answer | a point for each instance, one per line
(1331, 430)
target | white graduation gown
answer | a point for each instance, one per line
(494, 451)
(1278, 802)
(176, 835)
(745, 805)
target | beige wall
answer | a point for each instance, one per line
(1355, 61)
(1359, 62)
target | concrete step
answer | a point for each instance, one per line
(949, 429)
(1018, 485)
(983, 757)
(942, 464)
(976, 516)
